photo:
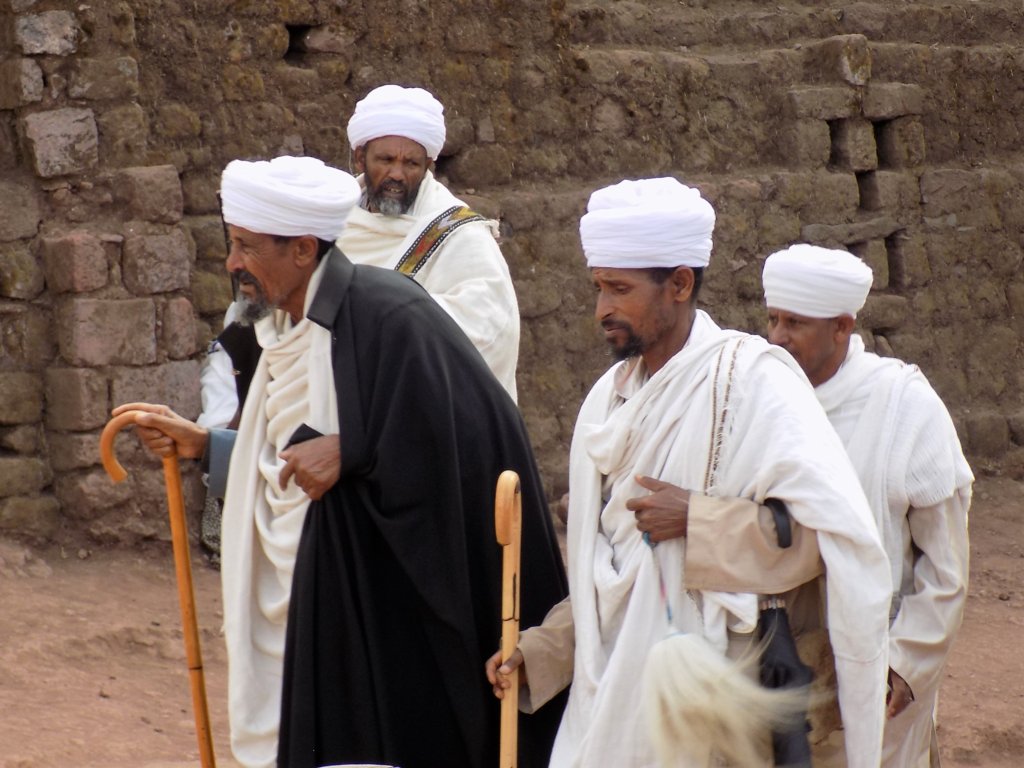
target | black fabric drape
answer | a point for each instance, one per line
(396, 595)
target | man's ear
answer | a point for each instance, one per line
(359, 159)
(682, 284)
(844, 327)
(305, 250)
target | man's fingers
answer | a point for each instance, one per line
(147, 407)
(651, 483)
(286, 474)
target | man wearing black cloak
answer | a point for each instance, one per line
(360, 568)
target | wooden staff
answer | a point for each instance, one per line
(508, 526)
(183, 570)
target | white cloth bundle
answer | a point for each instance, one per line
(647, 223)
(816, 282)
(289, 196)
(392, 110)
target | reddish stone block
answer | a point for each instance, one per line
(150, 193)
(20, 274)
(176, 384)
(22, 398)
(179, 328)
(75, 262)
(61, 141)
(107, 332)
(20, 213)
(54, 32)
(109, 79)
(157, 263)
(76, 399)
(21, 83)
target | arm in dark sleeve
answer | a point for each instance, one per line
(732, 545)
(218, 456)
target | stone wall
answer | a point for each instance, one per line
(892, 130)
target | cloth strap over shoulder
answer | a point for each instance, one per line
(435, 233)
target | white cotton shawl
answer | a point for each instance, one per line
(880, 407)
(262, 523)
(467, 276)
(775, 442)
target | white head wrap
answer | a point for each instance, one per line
(288, 196)
(816, 282)
(392, 110)
(647, 223)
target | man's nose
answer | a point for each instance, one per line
(233, 261)
(777, 336)
(603, 307)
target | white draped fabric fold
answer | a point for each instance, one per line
(663, 427)
(262, 522)
(467, 276)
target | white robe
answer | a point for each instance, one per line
(467, 275)
(772, 441)
(293, 385)
(904, 447)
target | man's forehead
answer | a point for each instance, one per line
(395, 145)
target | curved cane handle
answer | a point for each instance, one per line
(110, 463)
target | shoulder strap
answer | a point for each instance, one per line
(723, 376)
(430, 239)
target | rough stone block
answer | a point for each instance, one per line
(818, 194)
(75, 262)
(21, 475)
(21, 83)
(482, 166)
(151, 193)
(209, 238)
(853, 145)
(908, 261)
(242, 84)
(331, 38)
(883, 313)
(61, 141)
(843, 57)
(178, 325)
(22, 397)
(77, 450)
(473, 35)
(54, 32)
(76, 399)
(175, 383)
(897, 191)
(104, 79)
(200, 192)
(123, 135)
(822, 102)
(35, 516)
(176, 121)
(83, 495)
(20, 275)
(807, 143)
(988, 434)
(211, 292)
(900, 142)
(885, 101)
(107, 332)
(20, 214)
(875, 255)
(157, 263)
(960, 194)
(26, 341)
(25, 439)
(844, 234)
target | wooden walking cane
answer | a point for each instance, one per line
(183, 570)
(508, 526)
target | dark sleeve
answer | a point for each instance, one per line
(218, 456)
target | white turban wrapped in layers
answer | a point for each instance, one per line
(289, 196)
(392, 110)
(816, 282)
(647, 223)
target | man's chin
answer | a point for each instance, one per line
(251, 311)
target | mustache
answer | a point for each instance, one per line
(244, 276)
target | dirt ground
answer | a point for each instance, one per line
(92, 665)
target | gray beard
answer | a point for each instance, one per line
(388, 206)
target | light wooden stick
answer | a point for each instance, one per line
(183, 570)
(508, 525)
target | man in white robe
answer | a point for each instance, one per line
(905, 449)
(702, 417)
(407, 220)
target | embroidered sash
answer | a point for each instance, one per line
(430, 239)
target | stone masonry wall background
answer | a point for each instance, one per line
(893, 129)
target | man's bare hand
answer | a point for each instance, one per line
(900, 697)
(500, 675)
(663, 513)
(164, 432)
(315, 464)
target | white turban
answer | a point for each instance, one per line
(288, 196)
(647, 223)
(392, 110)
(816, 282)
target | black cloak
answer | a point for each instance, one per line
(396, 599)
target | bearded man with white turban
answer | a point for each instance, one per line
(408, 221)
(681, 442)
(360, 571)
(905, 449)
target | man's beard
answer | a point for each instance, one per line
(633, 346)
(391, 206)
(254, 308)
